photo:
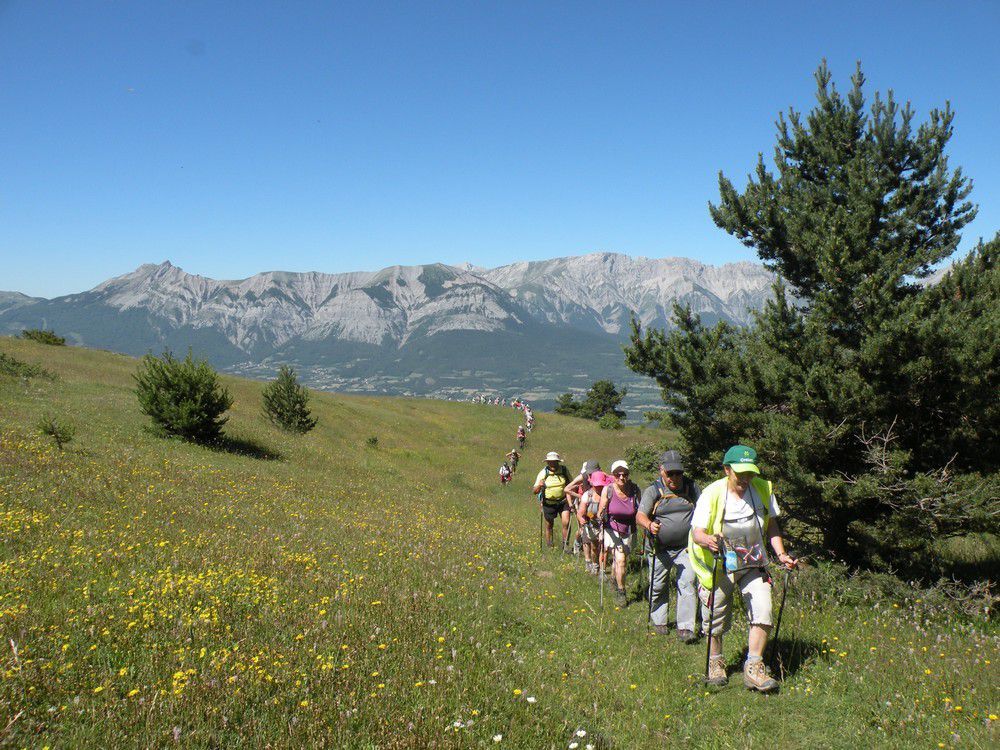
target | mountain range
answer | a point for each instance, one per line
(534, 328)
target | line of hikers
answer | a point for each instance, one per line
(686, 527)
(509, 466)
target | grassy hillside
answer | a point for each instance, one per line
(293, 591)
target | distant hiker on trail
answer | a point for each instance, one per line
(550, 486)
(665, 513)
(589, 520)
(621, 501)
(505, 473)
(520, 436)
(740, 510)
(512, 458)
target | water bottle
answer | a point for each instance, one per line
(729, 556)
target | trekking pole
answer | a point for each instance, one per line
(711, 608)
(541, 533)
(777, 625)
(775, 658)
(651, 569)
(600, 561)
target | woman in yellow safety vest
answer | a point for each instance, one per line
(738, 513)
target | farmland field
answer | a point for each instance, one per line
(318, 591)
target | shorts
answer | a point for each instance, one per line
(617, 541)
(753, 585)
(589, 533)
(552, 512)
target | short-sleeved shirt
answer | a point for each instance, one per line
(673, 512)
(742, 526)
(554, 483)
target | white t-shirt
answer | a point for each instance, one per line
(746, 547)
(736, 507)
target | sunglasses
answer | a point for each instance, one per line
(621, 474)
(675, 473)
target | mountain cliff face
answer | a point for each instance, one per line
(518, 326)
(601, 291)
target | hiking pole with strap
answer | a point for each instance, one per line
(711, 606)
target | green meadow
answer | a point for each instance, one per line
(317, 591)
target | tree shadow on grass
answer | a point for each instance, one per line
(240, 446)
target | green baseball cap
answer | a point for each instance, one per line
(741, 458)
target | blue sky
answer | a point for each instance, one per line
(234, 138)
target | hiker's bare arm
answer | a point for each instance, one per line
(778, 544)
(703, 539)
(644, 521)
(571, 487)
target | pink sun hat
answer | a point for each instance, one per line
(600, 479)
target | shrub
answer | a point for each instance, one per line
(372, 441)
(183, 397)
(285, 402)
(643, 458)
(61, 432)
(43, 336)
(610, 422)
(14, 367)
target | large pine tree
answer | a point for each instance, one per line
(870, 394)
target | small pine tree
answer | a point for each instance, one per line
(285, 402)
(183, 397)
(61, 432)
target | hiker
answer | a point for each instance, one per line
(621, 501)
(550, 486)
(504, 473)
(589, 521)
(576, 487)
(574, 490)
(741, 512)
(513, 457)
(520, 436)
(665, 513)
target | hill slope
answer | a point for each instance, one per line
(310, 591)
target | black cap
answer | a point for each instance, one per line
(671, 461)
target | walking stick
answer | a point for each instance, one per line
(711, 610)
(541, 520)
(601, 556)
(651, 569)
(775, 658)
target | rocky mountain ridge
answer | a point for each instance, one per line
(543, 327)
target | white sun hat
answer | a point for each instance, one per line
(553, 456)
(619, 465)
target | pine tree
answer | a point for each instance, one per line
(286, 402)
(183, 397)
(869, 395)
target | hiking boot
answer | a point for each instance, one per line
(755, 677)
(717, 671)
(687, 636)
(621, 598)
(661, 630)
